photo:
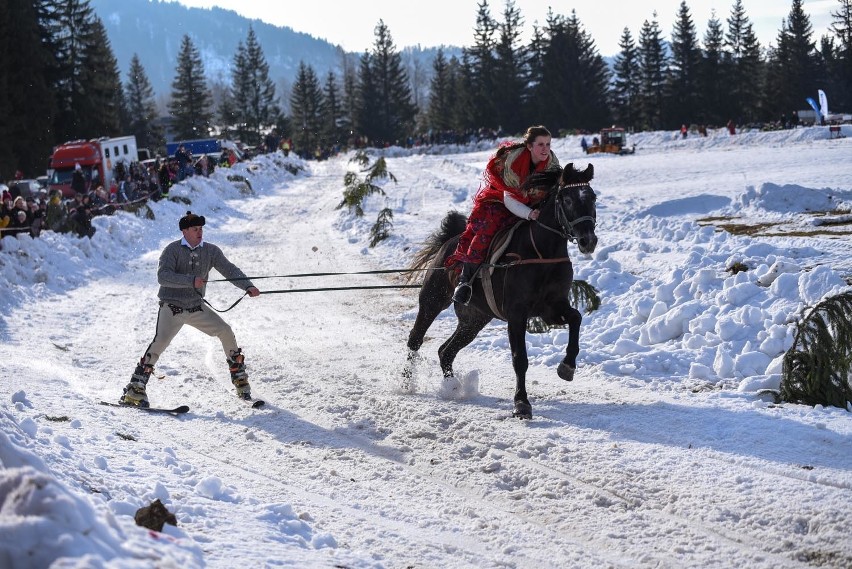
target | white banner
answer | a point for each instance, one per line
(823, 104)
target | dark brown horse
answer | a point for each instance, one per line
(532, 278)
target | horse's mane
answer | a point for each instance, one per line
(550, 178)
(546, 179)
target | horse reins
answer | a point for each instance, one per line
(567, 227)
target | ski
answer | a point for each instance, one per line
(174, 411)
(255, 403)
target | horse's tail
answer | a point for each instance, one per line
(452, 225)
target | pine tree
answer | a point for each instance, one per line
(418, 80)
(231, 108)
(27, 104)
(683, 82)
(744, 66)
(442, 96)
(830, 57)
(714, 109)
(842, 27)
(393, 119)
(624, 94)
(190, 99)
(536, 56)
(481, 69)
(142, 108)
(252, 91)
(368, 105)
(466, 110)
(350, 103)
(509, 90)
(572, 90)
(103, 103)
(69, 24)
(305, 104)
(795, 64)
(653, 65)
(331, 112)
(592, 81)
(8, 161)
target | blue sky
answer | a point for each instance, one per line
(451, 22)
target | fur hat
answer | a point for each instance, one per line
(191, 220)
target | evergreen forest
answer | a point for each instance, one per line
(60, 81)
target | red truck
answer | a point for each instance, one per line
(97, 158)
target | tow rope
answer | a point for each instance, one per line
(338, 288)
(319, 289)
(298, 275)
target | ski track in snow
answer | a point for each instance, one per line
(345, 466)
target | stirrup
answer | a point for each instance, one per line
(463, 293)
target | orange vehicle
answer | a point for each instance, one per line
(612, 141)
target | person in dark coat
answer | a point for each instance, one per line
(78, 180)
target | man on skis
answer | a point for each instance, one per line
(182, 274)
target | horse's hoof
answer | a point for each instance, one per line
(566, 372)
(522, 410)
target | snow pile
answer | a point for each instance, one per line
(42, 521)
(347, 467)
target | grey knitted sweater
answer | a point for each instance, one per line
(179, 265)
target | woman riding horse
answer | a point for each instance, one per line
(500, 201)
(532, 278)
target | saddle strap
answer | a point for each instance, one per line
(488, 289)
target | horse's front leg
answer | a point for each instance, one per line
(568, 366)
(520, 363)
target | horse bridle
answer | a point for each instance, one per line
(566, 230)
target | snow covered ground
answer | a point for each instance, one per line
(662, 452)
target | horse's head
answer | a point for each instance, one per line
(570, 204)
(575, 207)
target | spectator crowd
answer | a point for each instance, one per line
(33, 208)
(27, 210)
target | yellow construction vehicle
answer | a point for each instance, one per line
(612, 140)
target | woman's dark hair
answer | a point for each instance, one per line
(534, 132)
(530, 135)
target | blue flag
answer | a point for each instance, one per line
(814, 106)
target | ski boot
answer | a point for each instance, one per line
(239, 377)
(134, 393)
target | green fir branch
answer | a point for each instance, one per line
(581, 294)
(382, 228)
(354, 195)
(357, 190)
(380, 170)
(361, 158)
(816, 369)
(584, 294)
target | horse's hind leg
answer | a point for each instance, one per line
(468, 327)
(431, 305)
(568, 366)
(434, 298)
